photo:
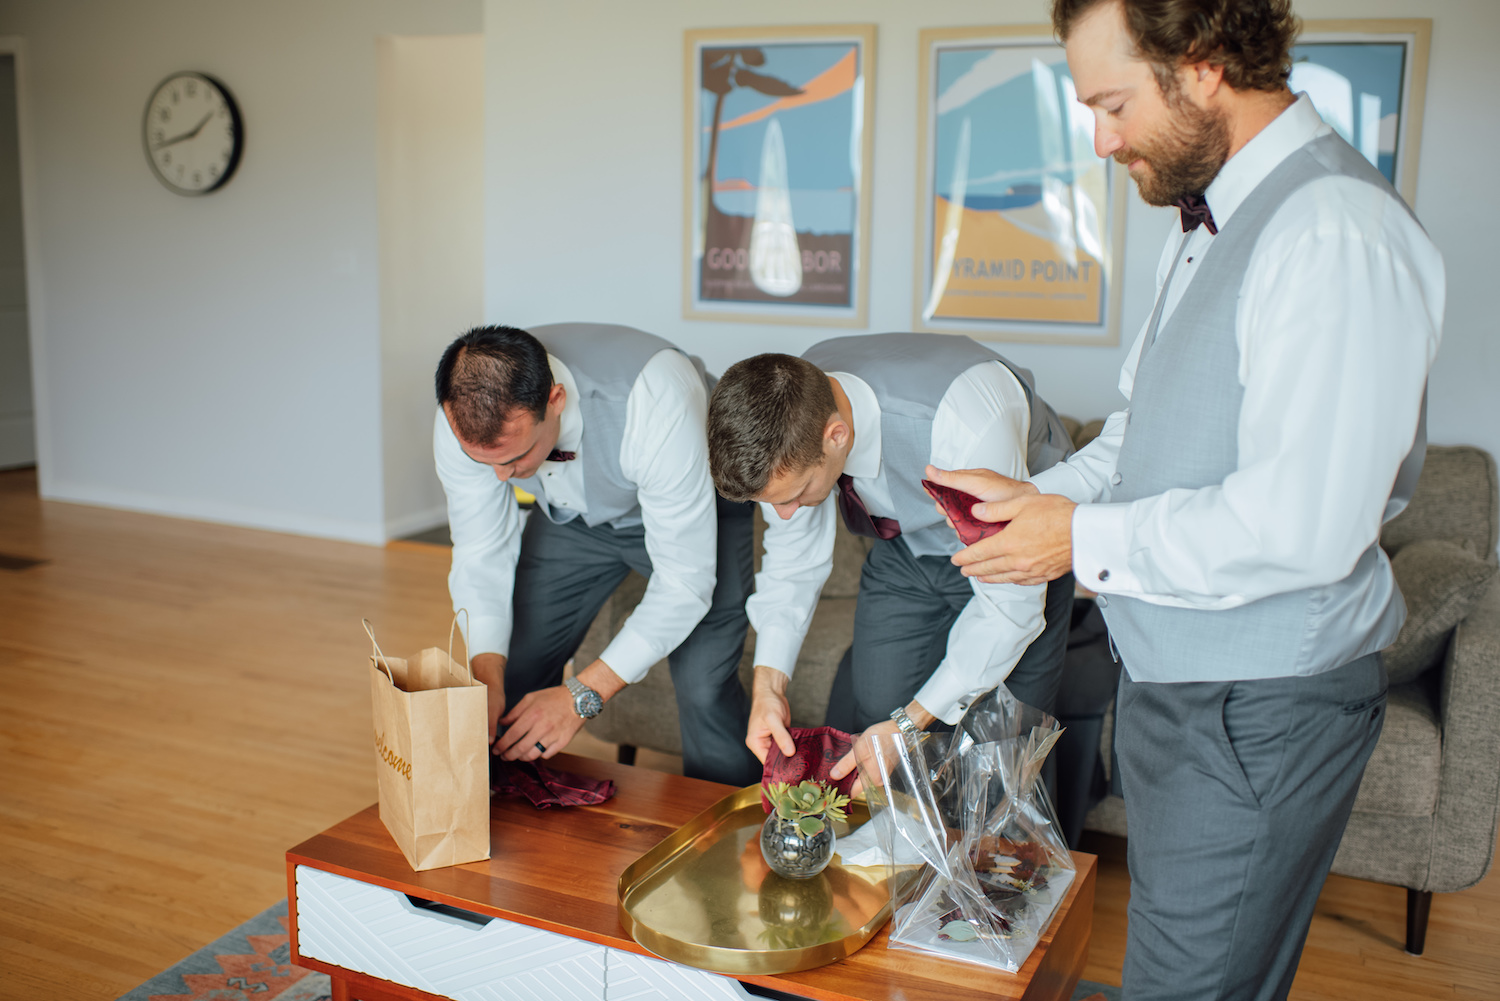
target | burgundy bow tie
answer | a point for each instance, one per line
(558, 455)
(1195, 213)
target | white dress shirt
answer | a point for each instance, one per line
(1338, 321)
(662, 451)
(983, 420)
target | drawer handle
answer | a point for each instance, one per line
(448, 910)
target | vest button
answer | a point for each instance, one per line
(1102, 600)
(1104, 575)
(1115, 479)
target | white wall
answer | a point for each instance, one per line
(431, 182)
(584, 174)
(214, 357)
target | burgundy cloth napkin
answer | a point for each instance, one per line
(959, 507)
(818, 750)
(546, 786)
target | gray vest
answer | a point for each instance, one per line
(1182, 432)
(605, 360)
(909, 374)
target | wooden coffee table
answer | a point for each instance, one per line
(542, 914)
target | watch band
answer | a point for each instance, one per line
(905, 723)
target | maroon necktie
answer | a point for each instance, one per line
(558, 455)
(858, 517)
(1195, 213)
(546, 786)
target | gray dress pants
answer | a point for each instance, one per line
(1236, 796)
(563, 577)
(906, 606)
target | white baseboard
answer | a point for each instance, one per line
(197, 509)
(419, 521)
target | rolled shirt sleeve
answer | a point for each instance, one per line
(485, 523)
(797, 561)
(982, 422)
(665, 454)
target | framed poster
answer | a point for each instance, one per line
(1020, 227)
(776, 198)
(1368, 79)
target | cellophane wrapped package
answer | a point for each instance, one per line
(978, 861)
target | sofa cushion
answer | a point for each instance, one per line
(1401, 779)
(1440, 581)
(1455, 499)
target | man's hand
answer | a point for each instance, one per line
(547, 717)
(490, 669)
(770, 715)
(985, 484)
(1036, 547)
(862, 753)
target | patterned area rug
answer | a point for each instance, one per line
(252, 963)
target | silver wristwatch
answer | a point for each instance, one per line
(905, 723)
(586, 702)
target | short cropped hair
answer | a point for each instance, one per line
(1251, 39)
(766, 416)
(488, 374)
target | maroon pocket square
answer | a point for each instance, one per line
(959, 507)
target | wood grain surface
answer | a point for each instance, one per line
(180, 703)
(558, 870)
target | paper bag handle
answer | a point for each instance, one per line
(379, 657)
(463, 636)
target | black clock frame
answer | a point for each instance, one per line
(234, 118)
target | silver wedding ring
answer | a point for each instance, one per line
(539, 746)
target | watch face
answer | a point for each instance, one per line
(192, 133)
(587, 703)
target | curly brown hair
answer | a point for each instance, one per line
(1251, 39)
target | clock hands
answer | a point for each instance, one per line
(186, 135)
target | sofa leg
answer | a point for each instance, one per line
(1418, 906)
(626, 754)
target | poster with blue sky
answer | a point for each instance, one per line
(778, 142)
(1020, 216)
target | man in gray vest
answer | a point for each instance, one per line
(604, 426)
(1230, 517)
(854, 422)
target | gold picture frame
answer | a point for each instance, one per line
(1039, 259)
(777, 156)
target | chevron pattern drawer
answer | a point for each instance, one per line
(381, 933)
(631, 977)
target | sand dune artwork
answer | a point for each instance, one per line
(778, 150)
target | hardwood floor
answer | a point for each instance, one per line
(181, 702)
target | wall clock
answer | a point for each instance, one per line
(192, 133)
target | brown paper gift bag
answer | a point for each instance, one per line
(432, 755)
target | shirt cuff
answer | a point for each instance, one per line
(1065, 480)
(488, 634)
(777, 648)
(943, 696)
(1101, 544)
(630, 655)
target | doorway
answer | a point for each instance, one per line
(17, 410)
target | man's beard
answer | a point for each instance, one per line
(1185, 157)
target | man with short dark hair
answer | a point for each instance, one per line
(604, 426)
(854, 422)
(1230, 517)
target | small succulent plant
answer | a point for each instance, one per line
(806, 804)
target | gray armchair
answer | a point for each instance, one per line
(1426, 813)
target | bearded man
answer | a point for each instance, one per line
(1230, 516)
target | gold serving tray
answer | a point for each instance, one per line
(706, 898)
